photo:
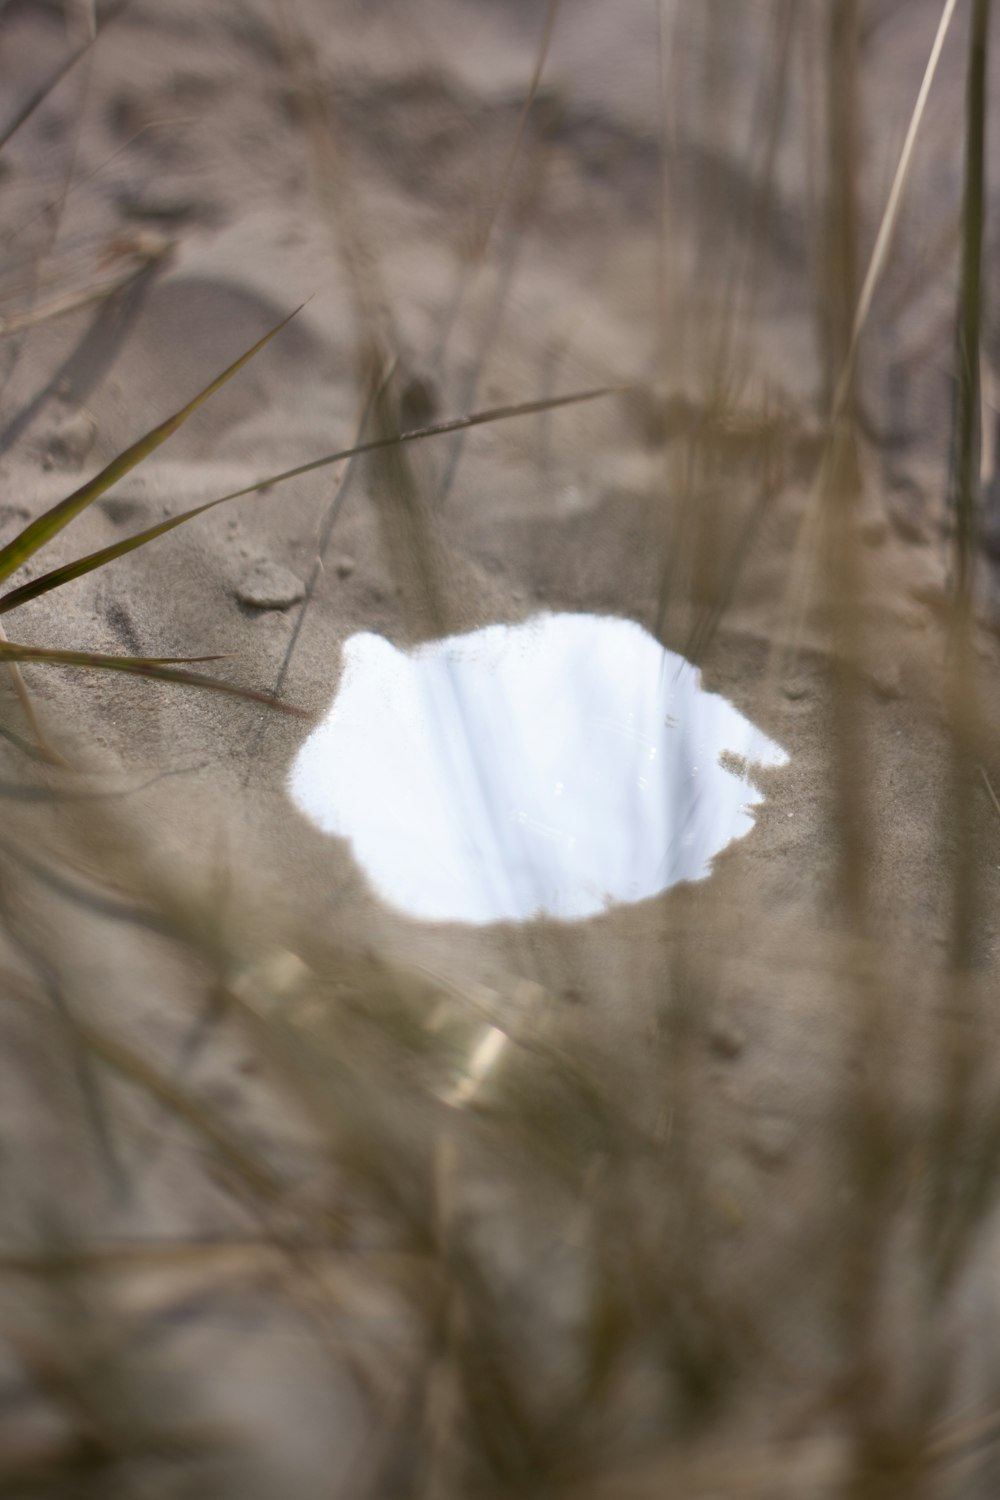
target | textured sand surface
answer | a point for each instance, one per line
(197, 123)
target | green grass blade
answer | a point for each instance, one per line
(41, 530)
(83, 565)
(154, 667)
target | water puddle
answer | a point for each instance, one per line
(554, 767)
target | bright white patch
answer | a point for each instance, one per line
(552, 767)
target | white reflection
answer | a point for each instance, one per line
(551, 767)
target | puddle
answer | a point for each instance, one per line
(552, 767)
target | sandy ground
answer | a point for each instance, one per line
(192, 122)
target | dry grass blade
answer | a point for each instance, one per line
(963, 1167)
(891, 214)
(41, 530)
(245, 1164)
(27, 792)
(53, 206)
(324, 534)
(965, 497)
(70, 571)
(151, 249)
(522, 124)
(44, 653)
(137, 1070)
(800, 579)
(155, 668)
(439, 429)
(236, 1251)
(38, 98)
(77, 890)
(989, 788)
(42, 747)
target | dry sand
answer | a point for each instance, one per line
(191, 122)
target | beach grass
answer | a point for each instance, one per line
(543, 1273)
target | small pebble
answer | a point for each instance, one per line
(268, 585)
(163, 209)
(70, 443)
(770, 1140)
(418, 402)
(875, 531)
(343, 565)
(120, 510)
(885, 678)
(932, 592)
(725, 1038)
(796, 688)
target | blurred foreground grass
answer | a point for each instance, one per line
(520, 1265)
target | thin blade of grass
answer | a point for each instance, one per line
(55, 205)
(199, 1117)
(46, 526)
(522, 123)
(45, 750)
(152, 667)
(799, 587)
(76, 888)
(70, 302)
(890, 215)
(83, 565)
(51, 84)
(438, 429)
(324, 533)
(989, 787)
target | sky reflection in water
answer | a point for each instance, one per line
(552, 767)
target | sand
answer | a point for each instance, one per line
(193, 131)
